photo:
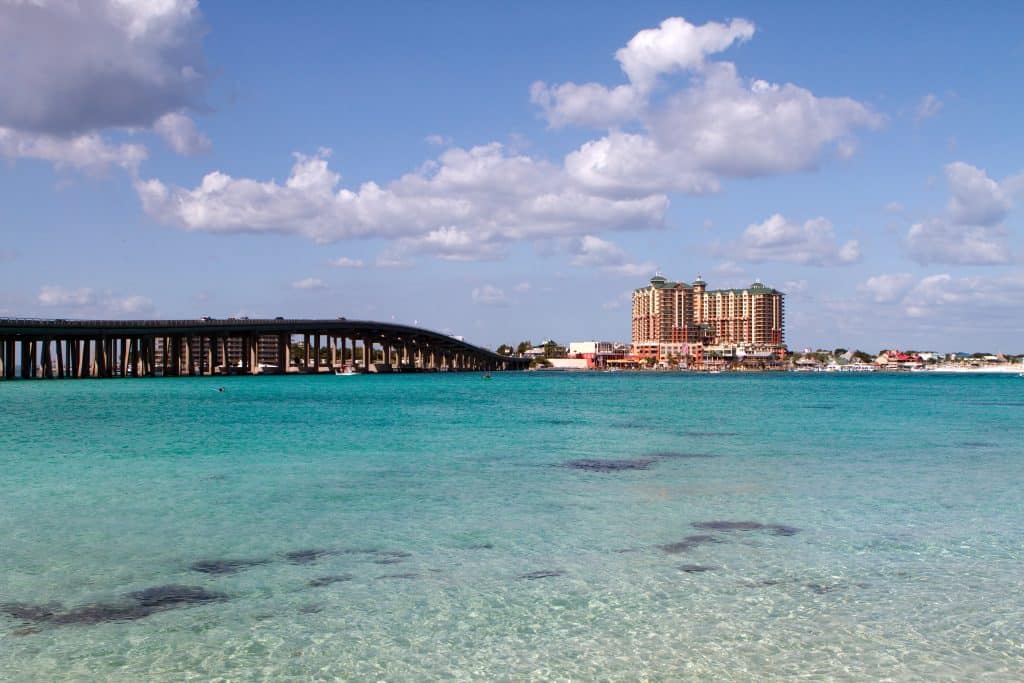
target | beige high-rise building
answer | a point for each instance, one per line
(675, 313)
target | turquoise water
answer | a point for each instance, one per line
(434, 497)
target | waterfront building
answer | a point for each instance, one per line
(596, 353)
(679, 318)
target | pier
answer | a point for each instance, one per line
(66, 349)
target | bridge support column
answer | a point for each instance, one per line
(187, 353)
(11, 359)
(100, 357)
(333, 351)
(60, 357)
(45, 365)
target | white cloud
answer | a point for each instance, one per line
(812, 243)
(179, 131)
(346, 262)
(52, 295)
(884, 289)
(718, 125)
(462, 206)
(87, 301)
(966, 298)
(929, 106)
(894, 207)
(522, 287)
(438, 140)
(970, 232)
(588, 104)
(938, 240)
(88, 152)
(594, 252)
(489, 295)
(977, 199)
(677, 45)
(309, 283)
(452, 244)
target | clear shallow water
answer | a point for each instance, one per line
(907, 491)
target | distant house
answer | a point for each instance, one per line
(897, 360)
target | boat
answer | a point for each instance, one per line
(345, 371)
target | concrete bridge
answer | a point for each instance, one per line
(51, 349)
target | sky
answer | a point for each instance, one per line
(513, 171)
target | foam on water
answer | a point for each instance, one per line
(427, 527)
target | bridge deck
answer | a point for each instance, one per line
(33, 348)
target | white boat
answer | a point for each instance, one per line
(345, 371)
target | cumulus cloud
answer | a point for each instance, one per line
(309, 283)
(87, 301)
(469, 204)
(88, 152)
(970, 232)
(938, 240)
(977, 199)
(929, 106)
(489, 295)
(719, 124)
(594, 252)
(676, 45)
(346, 262)
(883, 289)
(812, 243)
(452, 244)
(950, 302)
(460, 206)
(966, 298)
(179, 131)
(75, 68)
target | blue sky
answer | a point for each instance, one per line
(509, 172)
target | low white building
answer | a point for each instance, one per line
(591, 348)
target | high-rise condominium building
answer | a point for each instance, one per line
(679, 313)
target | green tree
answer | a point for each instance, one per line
(524, 346)
(504, 350)
(553, 350)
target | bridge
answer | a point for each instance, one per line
(53, 349)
